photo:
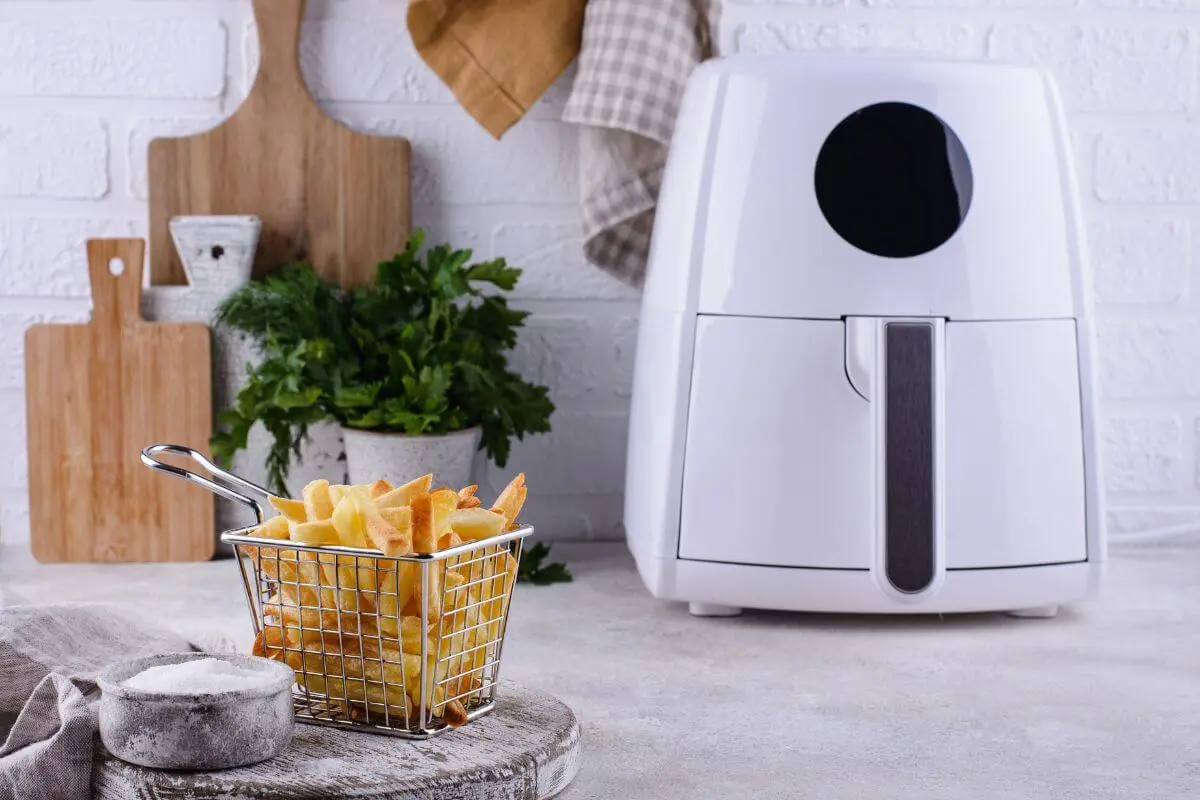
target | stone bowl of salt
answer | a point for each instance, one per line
(196, 711)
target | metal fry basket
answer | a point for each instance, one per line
(403, 645)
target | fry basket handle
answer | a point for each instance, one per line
(148, 458)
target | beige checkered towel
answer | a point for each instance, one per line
(635, 59)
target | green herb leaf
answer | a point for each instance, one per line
(422, 350)
(531, 569)
(496, 272)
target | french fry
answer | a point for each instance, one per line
(410, 635)
(467, 493)
(394, 593)
(413, 607)
(317, 503)
(392, 540)
(430, 517)
(424, 538)
(433, 601)
(258, 648)
(338, 572)
(292, 509)
(317, 661)
(380, 487)
(315, 671)
(314, 591)
(491, 585)
(336, 492)
(462, 651)
(403, 495)
(511, 500)
(314, 533)
(399, 518)
(350, 525)
(285, 611)
(445, 501)
(472, 524)
(456, 715)
(274, 528)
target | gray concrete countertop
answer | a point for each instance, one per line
(1102, 702)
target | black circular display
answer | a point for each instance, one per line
(894, 180)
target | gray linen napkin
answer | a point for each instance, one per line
(50, 656)
(634, 62)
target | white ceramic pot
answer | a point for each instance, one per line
(399, 458)
(320, 456)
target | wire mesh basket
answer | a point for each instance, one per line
(403, 645)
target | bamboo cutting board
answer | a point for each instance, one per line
(96, 394)
(325, 193)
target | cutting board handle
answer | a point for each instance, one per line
(278, 23)
(115, 269)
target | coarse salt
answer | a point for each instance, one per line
(202, 676)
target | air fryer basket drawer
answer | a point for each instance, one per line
(1014, 445)
(778, 461)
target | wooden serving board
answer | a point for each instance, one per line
(526, 749)
(325, 193)
(96, 394)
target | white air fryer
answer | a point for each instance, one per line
(864, 367)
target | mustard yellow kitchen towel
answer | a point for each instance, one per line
(496, 56)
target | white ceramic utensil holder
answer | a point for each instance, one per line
(218, 256)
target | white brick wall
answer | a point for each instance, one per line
(85, 84)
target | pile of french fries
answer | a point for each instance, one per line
(351, 626)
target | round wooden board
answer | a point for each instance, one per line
(526, 749)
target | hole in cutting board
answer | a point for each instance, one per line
(217, 251)
(115, 266)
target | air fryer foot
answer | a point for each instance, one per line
(1037, 612)
(713, 610)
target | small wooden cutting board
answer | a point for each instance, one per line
(325, 193)
(96, 394)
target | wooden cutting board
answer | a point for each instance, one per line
(528, 748)
(96, 394)
(325, 193)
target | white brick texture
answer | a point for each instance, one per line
(457, 162)
(1144, 454)
(1151, 5)
(950, 39)
(367, 60)
(1141, 262)
(1153, 165)
(53, 156)
(44, 256)
(55, 56)
(1111, 68)
(85, 88)
(551, 255)
(1149, 360)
